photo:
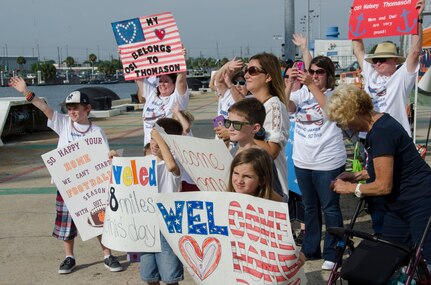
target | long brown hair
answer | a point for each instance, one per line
(329, 67)
(262, 165)
(271, 65)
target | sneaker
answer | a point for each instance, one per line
(328, 265)
(112, 264)
(300, 238)
(67, 265)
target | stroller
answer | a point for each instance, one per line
(376, 261)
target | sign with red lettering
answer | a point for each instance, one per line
(131, 222)
(81, 171)
(376, 18)
(207, 161)
(149, 46)
(230, 238)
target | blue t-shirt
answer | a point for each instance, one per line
(411, 174)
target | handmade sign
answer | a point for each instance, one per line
(207, 161)
(149, 46)
(376, 18)
(131, 222)
(230, 238)
(81, 171)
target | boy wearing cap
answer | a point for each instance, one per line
(69, 128)
(388, 87)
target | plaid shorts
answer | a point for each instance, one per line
(64, 228)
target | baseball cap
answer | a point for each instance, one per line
(77, 97)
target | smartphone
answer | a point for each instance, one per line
(218, 121)
(300, 65)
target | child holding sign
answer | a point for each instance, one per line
(69, 128)
(164, 265)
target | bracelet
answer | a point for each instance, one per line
(30, 96)
(421, 20)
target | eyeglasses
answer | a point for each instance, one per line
(254, 70)
(237, 125)
(317, 71)
(238, 82)
(381, 60)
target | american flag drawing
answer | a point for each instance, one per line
(149, 46)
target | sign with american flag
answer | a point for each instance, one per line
(149, 46)
(230, 238)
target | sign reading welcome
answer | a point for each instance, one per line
(81, 171)
(230, 238)
(149, 46)
(377, 18)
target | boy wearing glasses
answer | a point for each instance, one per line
(388, 87)
(245, 120)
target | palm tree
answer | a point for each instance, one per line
(47, 69)
(20, 60)
(92, 59)
(70, 61)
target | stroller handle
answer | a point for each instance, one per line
(341, 232)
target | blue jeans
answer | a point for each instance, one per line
(317, 198)
(164, 265)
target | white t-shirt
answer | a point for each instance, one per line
(318, 142)
(62, 125)
(224, 103)
(276, 126)
(168, 182)
(157, 107)
(390, 94)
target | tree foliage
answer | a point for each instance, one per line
(107, 67)
(70, 61)
(47, 69)
(92, 58)
(20, 60)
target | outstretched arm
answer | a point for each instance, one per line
(19, 84)
(171, 164)
(301, 41)
(181, 84)
(359, 51)
(416, 44)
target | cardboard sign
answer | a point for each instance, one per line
(81, 171)
(131, 222)
(207, 161)
(376, 18)
(230, 238)
(149, 46)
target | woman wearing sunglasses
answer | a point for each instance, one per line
(231, 88)
(264, 81)
(319, 154)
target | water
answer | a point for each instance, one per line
(55, 94)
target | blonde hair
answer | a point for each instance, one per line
(347, 103)
(262, 165)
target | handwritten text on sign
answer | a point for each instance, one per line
(149, 46)
(131, 223)
(230, 237)
(206, 161)
(377, 18)
(81, 171)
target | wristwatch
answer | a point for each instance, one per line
(358, 190)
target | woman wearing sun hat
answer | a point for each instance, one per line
(388, 86)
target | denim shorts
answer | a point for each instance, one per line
(161, 266)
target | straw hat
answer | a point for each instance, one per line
(385, 50)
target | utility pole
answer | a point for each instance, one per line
(289, 29)
(58, 53)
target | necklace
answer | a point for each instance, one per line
(86, 131)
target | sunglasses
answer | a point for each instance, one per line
(254, 70)
(237, 125)
(381, 60)
(238, 82)
(317, 71)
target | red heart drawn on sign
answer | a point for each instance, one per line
(160, 33)
(202, 261)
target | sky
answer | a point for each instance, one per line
(218, 28)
